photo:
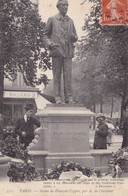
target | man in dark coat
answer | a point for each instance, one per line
(25, 126)
(60, 36)
(100, 139)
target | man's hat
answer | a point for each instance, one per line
(29, 107)
(60, 1)
(100, 115)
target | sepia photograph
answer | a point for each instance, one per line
(63, 97)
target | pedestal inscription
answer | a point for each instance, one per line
(66, 134)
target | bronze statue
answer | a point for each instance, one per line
(60, 36)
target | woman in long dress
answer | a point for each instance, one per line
(101, 132)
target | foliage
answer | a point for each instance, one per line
(21, 43)
(119, 161)
(21, 172)
(70, 166)
(89, 48)
(104, 52)
(22, 40)
(11, 146)
(22, 167)
(87, 87)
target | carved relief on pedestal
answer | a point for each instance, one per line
(40, 138)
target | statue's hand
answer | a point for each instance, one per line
(74, 37)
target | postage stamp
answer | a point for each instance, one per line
(114, 12)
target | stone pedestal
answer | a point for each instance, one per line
(4, 167)
(102, 156)
(65, 135)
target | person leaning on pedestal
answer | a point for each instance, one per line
(25, 126)
(59, 37)
(101, 132)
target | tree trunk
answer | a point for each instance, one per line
(122, 112)
(101, 104)
(112, 105)
(1, 72)
(94, 120)
(1, 88)
(1, 63)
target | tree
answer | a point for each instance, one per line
(21, 43)
(109, 46)
(86, 87)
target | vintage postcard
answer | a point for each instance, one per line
(64, 143)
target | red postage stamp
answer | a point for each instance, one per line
(114, 12)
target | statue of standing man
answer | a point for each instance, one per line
(60, 36)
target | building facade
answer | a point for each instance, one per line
(16, 95)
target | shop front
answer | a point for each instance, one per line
(15, 101)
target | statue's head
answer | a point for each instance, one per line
(62, 6)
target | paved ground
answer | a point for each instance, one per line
(116, 141)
